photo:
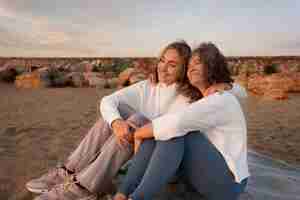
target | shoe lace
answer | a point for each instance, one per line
(69, 179)
(67, 182)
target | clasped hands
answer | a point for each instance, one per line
(124, 131)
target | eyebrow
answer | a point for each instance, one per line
(169, 61)
(196, 60)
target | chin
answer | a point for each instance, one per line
(195, 83)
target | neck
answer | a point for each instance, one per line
(167, 84)
(202, 88)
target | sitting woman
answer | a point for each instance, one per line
(90, 169)
(206, 140)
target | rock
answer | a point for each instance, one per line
(95, 79)
(242, 80)
(136, 77)
(88, 67)
(274, 86)
(130, 76)
(76, 79)
(80, 67)
(270, 180)
(113, 82)
(28, 81)
(278, 94)
(296, 82)
(256, 84)
(279, 81)
(8, 74)
(142, 66)
(109, 75)
(123, 79)
(54, 77)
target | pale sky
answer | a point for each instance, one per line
(97, 28)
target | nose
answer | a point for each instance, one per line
(163, 67)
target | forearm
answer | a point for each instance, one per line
(109, 110)
(203, 115)
(144, 132)
(130, 96)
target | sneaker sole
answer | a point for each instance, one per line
(37, 191)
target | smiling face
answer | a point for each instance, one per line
(169, 66)
(197, 72)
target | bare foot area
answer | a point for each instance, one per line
(41, 127)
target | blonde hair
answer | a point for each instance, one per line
(184, 51)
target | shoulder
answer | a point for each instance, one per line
(182, 99)
(142, 85)
(221, 98)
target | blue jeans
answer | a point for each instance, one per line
(201, 164)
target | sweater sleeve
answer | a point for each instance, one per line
(238, 91)
(131, 96)
(203, 115)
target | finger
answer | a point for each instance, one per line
(125, 129)
(119, 144)
(123, 143)
(131, 124)
(130, 138)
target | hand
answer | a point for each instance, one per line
(137, 144)
(132, 128)
(121, 129)
(218, 87)
(120, 196)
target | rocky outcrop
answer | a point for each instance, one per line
(138, 72)
(137, 69)
(275, 86)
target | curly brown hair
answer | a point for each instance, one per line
(184, 51)
(211, 57)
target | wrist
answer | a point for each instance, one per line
(116, 122)
(136, 135)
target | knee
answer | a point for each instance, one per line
(194, 135)
(197, 139)
(174, 146)
(99, 122)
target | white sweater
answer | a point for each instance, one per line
(151, 101)
(220, 118)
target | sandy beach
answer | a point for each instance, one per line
(41, 127)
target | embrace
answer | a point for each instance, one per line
(185, 121)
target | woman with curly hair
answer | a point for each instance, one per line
(206, 140)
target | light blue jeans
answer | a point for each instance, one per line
(193, 156)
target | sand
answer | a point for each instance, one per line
(41, 127)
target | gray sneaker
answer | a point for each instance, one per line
(65, 191)
(46, 182)
(98, 197)
(93, 197)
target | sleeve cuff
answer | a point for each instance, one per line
(163, 129)
(113, 118)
